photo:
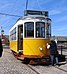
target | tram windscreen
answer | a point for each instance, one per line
(48, 30)
(29, 29)
(40, 29)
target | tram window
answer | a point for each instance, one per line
(13, 34)
(20, 31)
(40, 29)
(29, 29)
(48, 30)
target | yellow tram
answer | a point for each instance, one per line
(30, 35)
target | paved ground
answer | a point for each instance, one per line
(10, 65)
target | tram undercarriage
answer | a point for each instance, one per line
(35, 60)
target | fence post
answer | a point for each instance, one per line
(61, 50)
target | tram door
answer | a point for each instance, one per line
(20, 38)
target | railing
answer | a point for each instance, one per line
(62, 49)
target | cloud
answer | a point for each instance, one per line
(63, 18)
(59, 28)
(62, 28)
(60, 31)
(54, 12)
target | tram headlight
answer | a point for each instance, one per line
(40, 48)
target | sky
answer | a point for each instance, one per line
(57, 12)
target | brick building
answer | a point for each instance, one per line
(5, 39)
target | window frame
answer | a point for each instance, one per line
(40, 29)
(26, 26)
(13, 34)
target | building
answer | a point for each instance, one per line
(61, 40)
(5, 39)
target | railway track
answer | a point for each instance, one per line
(42, 69)
(61, 69)
(38, 68)
(38, 72)
(33, 69)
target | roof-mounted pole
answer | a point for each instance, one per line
(26, 4)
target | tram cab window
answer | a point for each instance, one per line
(29, 29)
(40, 29)
(48, 30)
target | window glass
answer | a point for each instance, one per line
(40, 29)
(20, 31)
(48, 30)
(13, 34)
(29, 29)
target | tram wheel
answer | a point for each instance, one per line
(26, 60)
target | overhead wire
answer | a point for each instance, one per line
(18, 15)
(10, 14)
(6, 14)
(38, 5)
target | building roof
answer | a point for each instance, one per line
(59, 38)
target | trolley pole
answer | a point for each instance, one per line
(26, 4)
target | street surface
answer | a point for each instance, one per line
(10, 65)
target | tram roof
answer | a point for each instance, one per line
(42, 17)
(30, 17)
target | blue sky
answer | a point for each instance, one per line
(57, 12)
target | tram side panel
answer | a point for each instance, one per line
(35, 47)
(13, 46)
